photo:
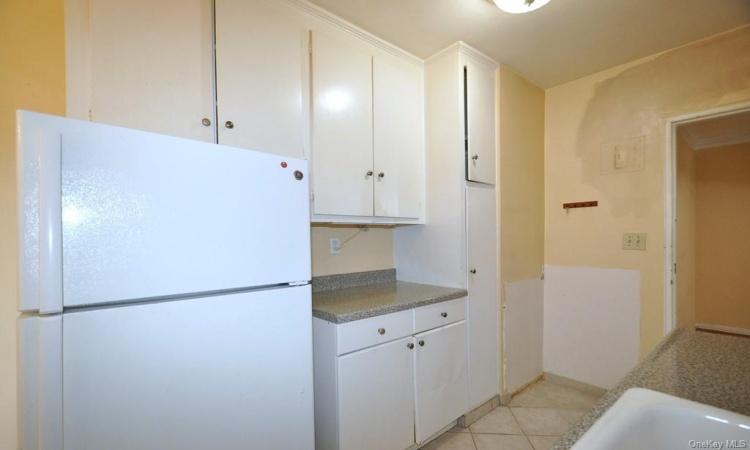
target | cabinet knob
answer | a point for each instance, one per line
(410, 345)
(369, 173)
(444, 314)
(206, 122)
(473, 271)
(229, 124)
(421, 343)
(475, 157)
(381, 330)
(381, 175)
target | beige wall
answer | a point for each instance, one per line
(629, 101)
(32, 76)
(521, 169)
(367, 250)
(685, 229)
(722, 247)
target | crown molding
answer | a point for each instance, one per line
(697, 143)
(465, 49)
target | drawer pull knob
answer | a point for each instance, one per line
(381, 330)
(444, 314)
(473, 271)
(410, 345)
(421, 343)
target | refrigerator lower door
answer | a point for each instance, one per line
(224, 372)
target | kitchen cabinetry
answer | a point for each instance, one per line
(152, 68)
(390, 381)
(367, 152)
(459, 247)
(479, 121)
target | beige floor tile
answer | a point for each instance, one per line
(573, 415)
(499, 420)
(501, 442)
(548, 395)
(542, 421)
(452, 441)
(458, 429)
(542, 442)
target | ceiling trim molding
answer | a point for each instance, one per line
(466, 49)
(348, 27)
(698, 143)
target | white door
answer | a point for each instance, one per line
(398, 129)
(138, 215)
(261, 62)
(482, 305)
(341, 128)
(152, 66)
(440, 378)
(376, 397)
(224, 372)
(480, 122)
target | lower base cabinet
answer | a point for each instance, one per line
(392, 381)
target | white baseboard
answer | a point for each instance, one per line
(722, 328)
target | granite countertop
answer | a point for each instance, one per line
(348, 297)
(704, 367)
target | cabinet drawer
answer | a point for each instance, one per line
(439, 314)
(375, 330)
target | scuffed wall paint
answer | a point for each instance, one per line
(625, 102)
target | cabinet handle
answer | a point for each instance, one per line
(473, 271)
(381, 175)
(444, 314)
(421, 343)
(381, 330)
(206, 122)
(475, 157)
(229, 124)
(369, 173)
(410, 345)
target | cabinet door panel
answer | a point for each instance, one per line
(342, 128)
(480, 123)
(484, 381)
(260, 67)
(440, 378)
(376, 397)
(397, 119)
(152, 66)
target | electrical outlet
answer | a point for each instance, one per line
(634, 241)
(334, 245)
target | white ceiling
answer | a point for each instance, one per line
(563, 41)
(717, 132)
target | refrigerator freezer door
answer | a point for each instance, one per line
(140, 216)
(225, 372)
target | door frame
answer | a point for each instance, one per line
(670, 199)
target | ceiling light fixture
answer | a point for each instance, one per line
(520, 6)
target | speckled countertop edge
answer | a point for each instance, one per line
(369, 300)
(703, 367)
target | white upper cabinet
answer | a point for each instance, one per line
(367, 135)
(152, 66)
(342, 128)
(479, 90)
(261, 64)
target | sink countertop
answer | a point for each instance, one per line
(342, 299)
(704, 367)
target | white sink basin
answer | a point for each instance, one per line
(645, 419)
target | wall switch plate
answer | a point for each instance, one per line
(622, 156)
(334, 246)
(634, 241)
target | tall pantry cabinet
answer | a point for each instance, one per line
(459, 247)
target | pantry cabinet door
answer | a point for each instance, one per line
(261, 65)
(480, 122)
(398, 136)
(152, 66)
(341, 128)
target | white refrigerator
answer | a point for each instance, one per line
(165, 289)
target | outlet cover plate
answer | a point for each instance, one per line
(634, 241)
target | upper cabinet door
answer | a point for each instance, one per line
(341, 128)
(479, 82)
(152, 66)
(398, 129)
(261, 65)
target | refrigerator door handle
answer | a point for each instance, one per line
(50, 223)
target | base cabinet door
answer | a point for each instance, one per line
(440, 378)
(376, 397)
